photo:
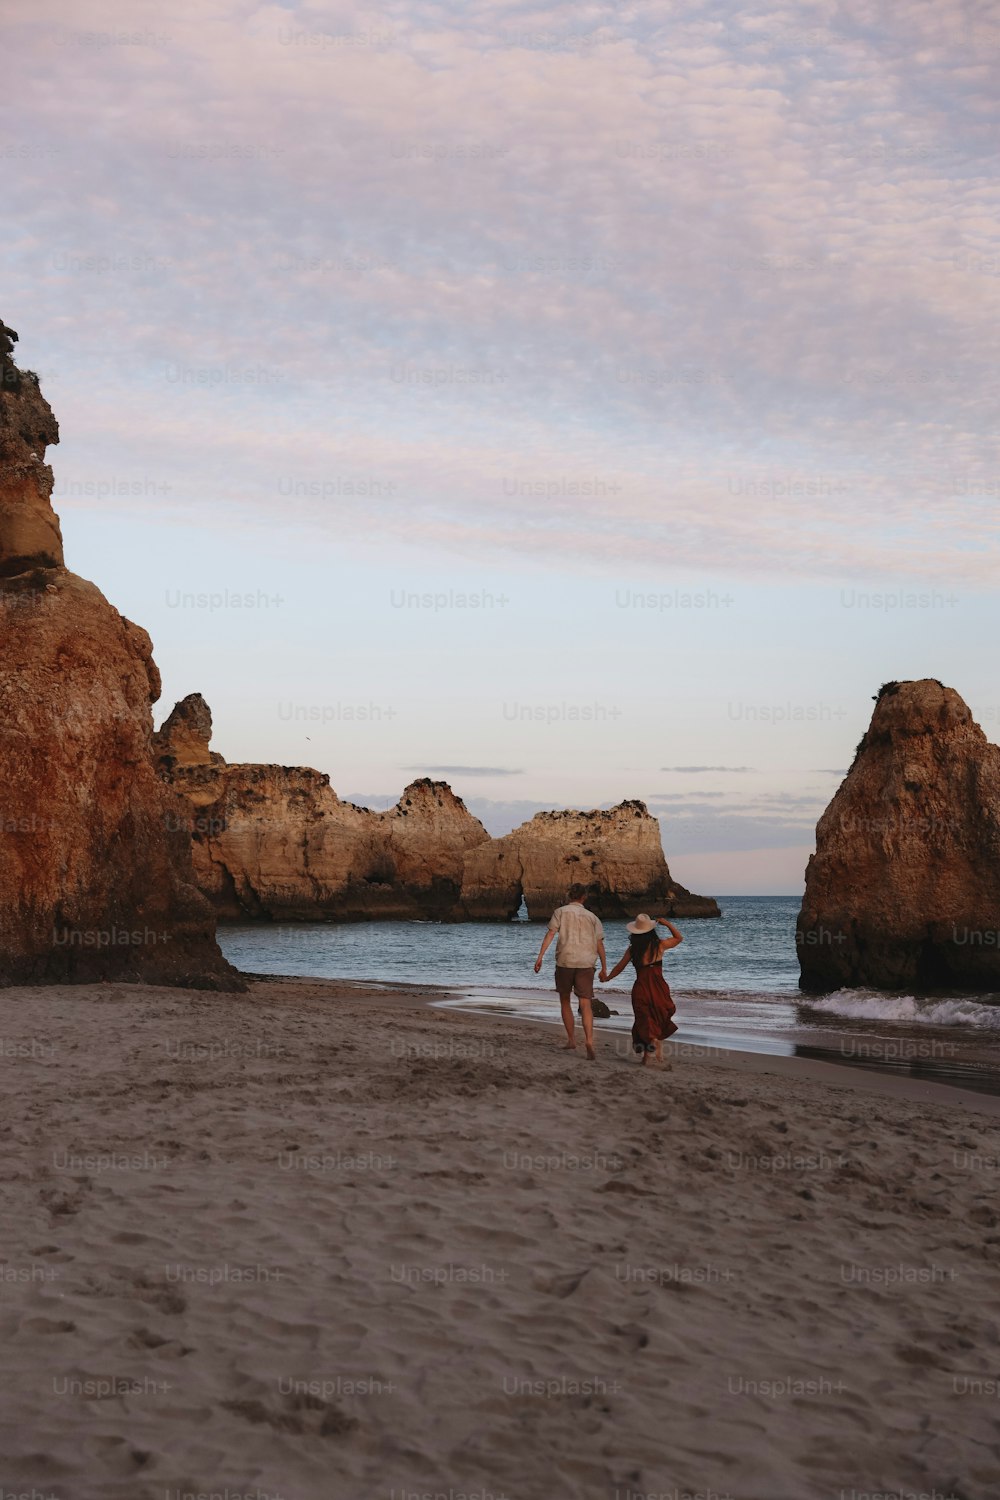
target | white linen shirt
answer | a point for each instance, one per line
(579, 934)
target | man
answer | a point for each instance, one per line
(581, 943)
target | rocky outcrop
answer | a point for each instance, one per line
(903, 891)
(616, 853)
(95, 879)
(428, 837)
(277, 842)
(29, 528)
(183, 738)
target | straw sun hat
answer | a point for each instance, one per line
(642, 923)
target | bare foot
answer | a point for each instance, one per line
(567, 1046)
(592, 1055)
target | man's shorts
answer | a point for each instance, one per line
(581, 980)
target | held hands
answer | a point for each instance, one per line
(603, 976)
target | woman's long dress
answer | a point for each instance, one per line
(653, 1007)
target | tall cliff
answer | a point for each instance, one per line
(277, 842)
(96, 881)
(904, 888)
(617, 853)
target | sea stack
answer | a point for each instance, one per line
(615, 852)
(903, 891)
(95, 878)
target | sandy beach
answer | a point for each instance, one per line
(316, 1241)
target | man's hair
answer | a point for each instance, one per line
(577, 890)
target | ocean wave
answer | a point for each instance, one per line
(865, 1005)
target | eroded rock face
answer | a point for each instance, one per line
(903, 891)
(95, 882)
(277, 842)
(429, 834)
(29, 528)
(183, 738)
(616, 853)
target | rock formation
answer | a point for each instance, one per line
(183, 738)
(95, 883)
(29, 528)
(429, 835)
(617, 853)
(903, 891)
(277, 842)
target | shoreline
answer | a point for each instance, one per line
(330, 1240)
(868, 1075)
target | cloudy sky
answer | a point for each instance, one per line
(575, 402)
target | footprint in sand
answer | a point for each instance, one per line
(117, 1454)
(559, 1286)
(161, 1296)
(48, 1325)
(329, 1421)
(145, 1338)
(635, 1336)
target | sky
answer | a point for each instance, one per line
(573, 402)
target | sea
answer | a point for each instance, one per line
(734, 981)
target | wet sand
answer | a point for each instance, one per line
(713, 1025)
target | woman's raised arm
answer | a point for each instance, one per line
(673, 940)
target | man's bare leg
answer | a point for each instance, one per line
(566, 1006)
(587, 1017)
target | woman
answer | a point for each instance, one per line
(651, 1000)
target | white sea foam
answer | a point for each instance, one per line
(866, 1005)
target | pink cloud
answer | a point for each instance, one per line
(690, 265)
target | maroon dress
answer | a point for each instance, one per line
(653, 1007)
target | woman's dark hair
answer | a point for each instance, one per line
(643, 946)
